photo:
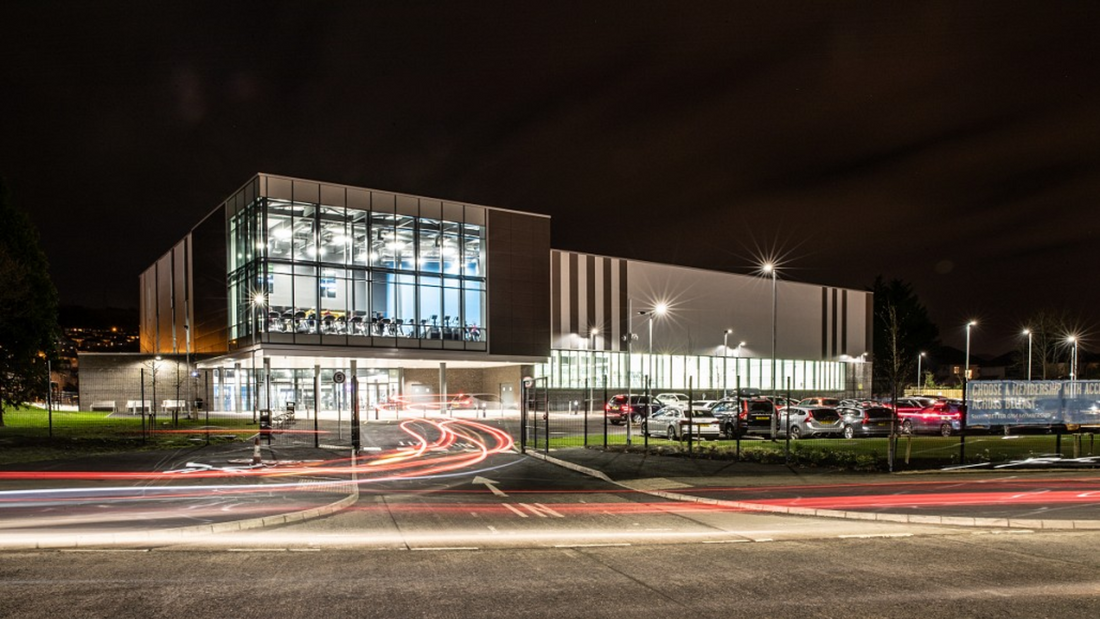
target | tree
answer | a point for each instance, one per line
(902, 330)
(28, 308)
(1050, 352)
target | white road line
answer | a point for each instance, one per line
(515, 511)
(493, 529)
(257, 549)
(874, 535)
(590, 545)
(727, 541)
(764, 539)
(541, 510)
(448, 548)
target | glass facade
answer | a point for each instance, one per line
(568, 369)
(251, 388)
(299, 270)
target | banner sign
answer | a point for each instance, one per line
(1033, 403)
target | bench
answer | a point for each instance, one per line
(138, 406)
(104, 405)
(173, 405)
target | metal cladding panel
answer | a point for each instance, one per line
(180, 270)
(148, 310)
(333, 195)
(163, 338)
(703, 304)
(518, 264)
(209, 289)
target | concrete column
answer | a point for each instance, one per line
(443, 387)
(267, 384)
(238, 400)
(316, 403)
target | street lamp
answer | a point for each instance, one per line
(737, 367)
(920, 378)
(1073, 360)
(966, 368)
(1027, 332)
(658, 310)
(768, 267)
(592, 365)
(725, 357)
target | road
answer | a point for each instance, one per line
(449, 521)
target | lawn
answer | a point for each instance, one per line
(26, 435)
(918, 452)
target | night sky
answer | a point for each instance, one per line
(954, 145)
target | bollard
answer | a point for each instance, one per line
(256, 457)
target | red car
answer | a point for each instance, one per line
(945, 418)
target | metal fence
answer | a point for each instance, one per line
(562, 419)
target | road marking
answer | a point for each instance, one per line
(256, 549)
(764, 539)
(489, 483)
(493, 529)
(305, 550)
(874, 535)
(541, 510)
(727, 541)
(448, 548)
(590, 545)
(104, 550)
(515, 511)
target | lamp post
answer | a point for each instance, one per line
(1073, 359)
(1027, 332)
(770, 269)
(737, 367)
(658, 310)
(920, 378)
(725, 358)
(592, 365)
(155, 360)
(966, 368)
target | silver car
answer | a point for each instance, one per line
(675, 423)
(807, 421)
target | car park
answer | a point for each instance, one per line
(865, 421)
(675, 423)
(703, 405)
(945, 418)
(753, 417)
(909, 407)
(810, 421)
(621, 408)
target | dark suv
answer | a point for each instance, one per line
(754, 417)
(618, 409)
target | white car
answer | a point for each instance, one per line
(673, 399)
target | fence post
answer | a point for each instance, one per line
(737, 418)
(587, 408)
(605, 413)
(546, 413)
(141, 407)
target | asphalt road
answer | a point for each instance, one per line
(968, 574)
(444, 527)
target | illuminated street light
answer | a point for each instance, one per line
(737, 367)
(725, 358)
(966, 368)
(769, 268)
(1027, 332)
(1073, 360)
(920, 379)
(658, 310)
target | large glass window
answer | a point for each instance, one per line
(334, 270)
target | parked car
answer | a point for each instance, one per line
(910, 407)
(818, 401)
(672, 399)
(865, 420)
(806, 421)
(675, 423)
(753, 417)
(944, 418)
(703, 405)
(618, 409)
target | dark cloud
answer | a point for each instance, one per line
(953, 145)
